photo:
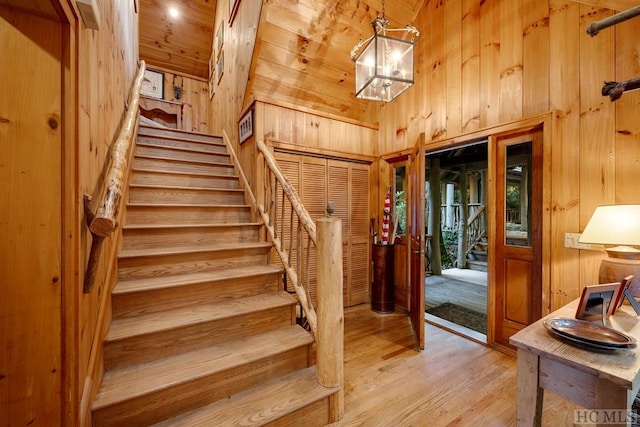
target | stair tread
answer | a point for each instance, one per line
(196, 225)
(194, 173)
(262, 404)
(171, 319)
(194, 161)
(184, 205)
(132, 253)
(181, 149)
(145, 130)
(184, 187)
(143, 284)
(138, 380)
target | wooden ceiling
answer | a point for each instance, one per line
(302, 53)
(181, 44)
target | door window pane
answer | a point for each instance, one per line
(518, 194)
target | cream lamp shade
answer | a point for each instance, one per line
(617, 227)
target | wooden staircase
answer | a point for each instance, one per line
(202, 332)
(477, 256)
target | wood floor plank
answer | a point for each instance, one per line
(453, 382)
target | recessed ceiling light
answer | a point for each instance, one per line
(173, 12)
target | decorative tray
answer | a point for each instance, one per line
(589, 334)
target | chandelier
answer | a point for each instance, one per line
(384, 68)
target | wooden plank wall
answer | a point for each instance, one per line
(107, 64)
(533, 56)
(238, 44)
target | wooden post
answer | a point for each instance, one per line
(330, 335)
(463, 240)
(434, 226)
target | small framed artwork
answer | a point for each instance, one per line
(245, 126)
(153, 84)
(220, 38)
(233, 10)
(212, 86)
(212, 65)
(220, 66)
(598, 301)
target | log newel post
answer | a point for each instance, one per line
(330, 333)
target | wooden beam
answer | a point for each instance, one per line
(617, 5)
(609, 21)
(615, 89)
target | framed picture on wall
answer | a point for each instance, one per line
(233, 10)
(220, 66)
(212, 86)
(245, 126)
(220, 38)
(153, 84)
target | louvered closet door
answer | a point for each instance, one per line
(346, 185)
(359, 234)
(291, 168)
(339, 196)
(314, 197)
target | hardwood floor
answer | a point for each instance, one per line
(454, 382)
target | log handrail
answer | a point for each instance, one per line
(303, 217)
(104, 221)
(130, 119)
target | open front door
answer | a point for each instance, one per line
(416, 234)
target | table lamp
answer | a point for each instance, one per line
(617, 227)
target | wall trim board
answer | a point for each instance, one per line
(287, 147)
(524, 124)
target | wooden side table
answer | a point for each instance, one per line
(595, 380)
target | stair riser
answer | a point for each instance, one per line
(188, 236)
(154, 266)
(179, 166)
(145, 150)
(173, 133)
(149, 347)
(136, 215)
(162, 196)
(168, 179)
(206, 292)
(179, 398)
(314, 415)
(210, 147)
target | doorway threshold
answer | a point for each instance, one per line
(456, 329)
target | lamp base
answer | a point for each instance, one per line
(616, 269)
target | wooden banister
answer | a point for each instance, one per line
(304, 218)
(105, 219)
(130, 120)
(327, 325)
(290, 192)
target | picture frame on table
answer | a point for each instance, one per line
(153, 84)
(598, 300)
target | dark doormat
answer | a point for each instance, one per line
(460, 315)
